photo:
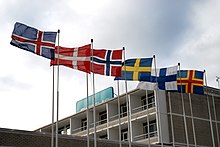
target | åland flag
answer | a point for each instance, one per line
(77, 58)
(191, 81)
(107, 62)
(33, 40)
(138, 69)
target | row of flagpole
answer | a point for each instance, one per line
(128, 112)
(23, 34)
(128, 109)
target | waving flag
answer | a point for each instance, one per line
(76, 58)
(138, 69)
(164, 79)
(33, 40)
(191, 81)
(107, 62)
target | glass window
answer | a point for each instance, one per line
(103, 136)
(152, 128)
(124, 135)
(123, 110)
(103, 117)
(84, 124)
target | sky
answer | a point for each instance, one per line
(185, 32)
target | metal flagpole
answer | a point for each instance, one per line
(94, 111)
(171, 120)
(127, 103)
(216, 124)
(218, 80)
(160, 136)
(148, 122)
(193, 126)
(119, 116)
(184, 113)
(52, 124)
(87, 106)
(58, 73)
(210, 117)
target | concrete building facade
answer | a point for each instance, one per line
(156, 117)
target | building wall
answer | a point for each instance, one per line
(200, 122)
(195, 118)
(20, 138)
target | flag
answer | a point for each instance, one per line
(191, 81)
(163, 79)
(138, 69)
(107, 62)
(33, 40)
(76, 58)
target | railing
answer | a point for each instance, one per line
(144, 107)
(145, 136)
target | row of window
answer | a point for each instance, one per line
(123, 110)
(152, 131)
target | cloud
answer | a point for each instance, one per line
(9, 83)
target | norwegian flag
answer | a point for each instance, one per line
(107, 62)
(76, 58)
(33, 40)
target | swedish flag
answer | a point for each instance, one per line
(138, 69)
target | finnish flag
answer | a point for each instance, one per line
(163, 79)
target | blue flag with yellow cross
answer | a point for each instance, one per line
(138, 69)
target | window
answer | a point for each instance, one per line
(143, 102)
(123, 110)
(68, 130)
(124, 135)
(151, 101)
(61, 130)
(104, 136)
(84, 124)
(152, 128)
(103, 117)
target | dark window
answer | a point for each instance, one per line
(103, 117)
(152, 128)
(151, 101)
(124, 135)
(123, 110)
(104, 136)
(84, 124)
(61, 130)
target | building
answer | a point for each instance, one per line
(155, 117)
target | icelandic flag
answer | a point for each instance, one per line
(76, 58)
(106, 62)
(163, 79)
(33, 40)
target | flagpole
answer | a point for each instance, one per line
(210, 117)
(193, 126)
(184, 115)
(158, 107)
(148, 122)
(216, 124)
(94, 110)
(171, 120)
(87, 106)
(127, 103)
(119, 116)
(52, 124)
(58, 73)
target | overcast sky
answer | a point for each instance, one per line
(175, 31)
